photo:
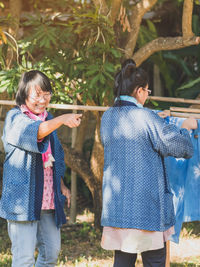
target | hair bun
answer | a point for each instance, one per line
(128, 62)
(128, 67)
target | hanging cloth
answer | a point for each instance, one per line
(184, 177)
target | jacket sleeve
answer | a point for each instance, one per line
(21, 131)
(168, 139)
(58, 150)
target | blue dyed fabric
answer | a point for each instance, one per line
(184, 176)
(23, 175)
(136, 190)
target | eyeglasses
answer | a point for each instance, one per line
(39, 97)
(149, 91)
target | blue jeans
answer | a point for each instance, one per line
(26, 236)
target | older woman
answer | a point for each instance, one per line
(138, 212)
(33, 189)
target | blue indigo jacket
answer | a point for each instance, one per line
(23, 176)
(184, 177)
(136, 191)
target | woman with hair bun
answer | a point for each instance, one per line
(138, 213)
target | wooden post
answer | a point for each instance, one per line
(167, 264)
(73, 206)
(157, 85)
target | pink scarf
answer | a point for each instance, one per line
(47, 157)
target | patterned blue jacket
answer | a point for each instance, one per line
(136, 191)
(23, 176)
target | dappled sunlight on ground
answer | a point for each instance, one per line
(85, 217)
(81, 246)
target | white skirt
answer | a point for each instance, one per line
(133, 240)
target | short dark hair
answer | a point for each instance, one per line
(129, 78)
(31, 78)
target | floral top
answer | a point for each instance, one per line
(48, 192)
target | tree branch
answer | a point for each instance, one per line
(102, 6)
(15, 11)
(115, 7)
(187, 19)
(169, 43)
(78, 164)
(138, 12)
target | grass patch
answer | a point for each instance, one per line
(81, 246)
(190, 229)
(184, 264)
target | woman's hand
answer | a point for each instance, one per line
(163, 114)
(71, 120)
(66, 192)
(189, 124)
(46, 127)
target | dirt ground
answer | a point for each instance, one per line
(188, 250)
(81, 246)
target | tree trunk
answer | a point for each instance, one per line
(73, 204)
(15, 11)
(91, 174)
(97, 205)
(96, 164)
(138, 12)
(77, 144)
(77, 162)
(97, 158)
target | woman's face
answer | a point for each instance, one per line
(142, 94)
(37, 100)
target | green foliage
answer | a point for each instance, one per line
(79, 54)
(9, 80)
(2, 5)
(84, 231)
(185, 67)
(189, 84)
(147, 33)
(78, 49)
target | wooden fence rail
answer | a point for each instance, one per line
(101, 108)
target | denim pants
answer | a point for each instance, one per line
(26, 236)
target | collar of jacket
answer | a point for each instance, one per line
(125, 100)
(120, 103)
